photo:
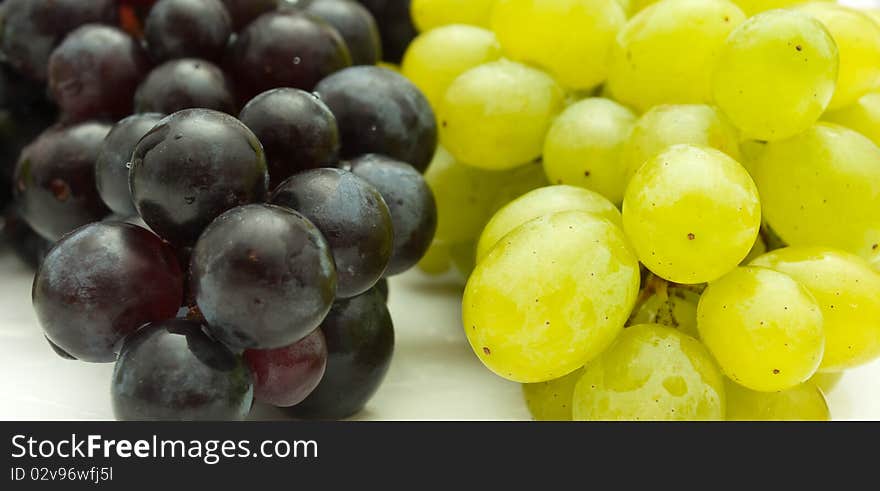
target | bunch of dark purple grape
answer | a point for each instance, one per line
(227, 186)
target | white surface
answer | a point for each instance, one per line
(434, 374)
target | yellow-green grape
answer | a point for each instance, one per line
(540, 202)
(822, 187)
(436, 260)
(655, 59)
(804, 402)
(651, 372)
(776, 74)
(676, 307)
(551, 401)
(515, 183)
(435, 58)
(551, 297)
(848, 292)
(667, 125)
(637, 5)
(495, 116)
(858, 42)
(464, 257)
(691, 213)
(428, 14)
(584, 144)
(826, 381)
(749, 151)
(758, 248)
(863, 116)
(752, 7)
(571, 39)
(389, 66)
(763, 327)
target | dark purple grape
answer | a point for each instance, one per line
(187, 29)
(28, 245)
(355, 24)
(193, 166)
(412, 205)
(102, 282)
(379, 111)
(395, 25)
(262, 276)
(297, 130)
(284, 377)
(31, 29)
(243, 12)
(173, 371)
(285, 49)
(382, 287)
(55, 179)
(114, 159)
(353, 218)
(360, 343)
(95, 71)
(60, 352)
(185, 84)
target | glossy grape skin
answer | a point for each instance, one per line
(285, 376)
(382, 287)
(496, 116)
(584, 146)
(379, 111)
(431, 14)
(863, 116)
(297, 130)
(32, 28)
(541, 202)
(55, 179)
(691, 213)
(193, 166)
(655, 59)
(95, 71)
(857, 37)
(187, 29)
(114, 158)
(675, 307)
(826, 381)
(848, 292)
(437, 57)
(352, 216)
(285, 49)
(533, 32)
(173, 371)
(804, 402)
(185, 84)
(60, 352)
(828, 198)
(550, 297)
(102, 282)
(263, 277)
(360, 342)
(395, 26)
(410, 201)
(551, 400)
(763, 327)
(356, 26)
(776, 74)
(651, 372)
(752, 7)
(243, 12)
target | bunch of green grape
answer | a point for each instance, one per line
(662, 209)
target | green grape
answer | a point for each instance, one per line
(826, 381)
(691, 213)
(848, 292)
(858, 42)
(752, 7)
(429, 14)
(540, 202)
(863, 116)
(437, 57)
(495, 116)
(436, 260)
(516, 183)
(776, 74)
(571, 39)
(551, 401)
(667, 125)
(651, 372)
(655, 59)
(763, 327)
(672, 307)
(804, 402)
(551, 297)
(822, 187)
(750, 150)
(583, 147)
(464, 257)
